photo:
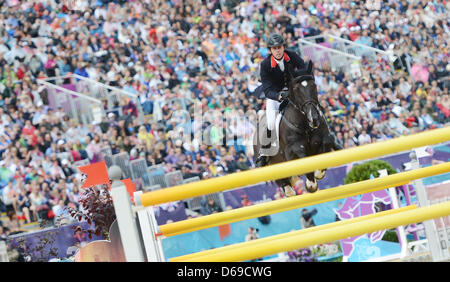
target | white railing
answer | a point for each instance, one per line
(78, 106)
(336, 60)
(89, 91)
(342, 54)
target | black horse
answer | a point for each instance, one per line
(303, 129)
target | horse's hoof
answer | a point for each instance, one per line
(288, 191)
(311, 186)
(319, 174)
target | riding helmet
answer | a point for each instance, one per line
(275, 39)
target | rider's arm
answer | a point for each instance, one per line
(267, 86)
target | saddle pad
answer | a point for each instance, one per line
(263, 125)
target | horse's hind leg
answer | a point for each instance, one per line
(319, 174)
(311, 183)
(286, 185)
(328, 144)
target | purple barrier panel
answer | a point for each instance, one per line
(398, 160)
(333, 177)
(62, 238)
(441, 156)
(174, 211)
(254, 193)
(232, 200)
(441, 153)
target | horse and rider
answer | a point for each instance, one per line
(295, 125)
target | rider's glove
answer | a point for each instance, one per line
(282, 95)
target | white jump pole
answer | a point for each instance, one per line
(149, 230)
(128, 228)
(438, 252)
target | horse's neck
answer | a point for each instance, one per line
(294, 116)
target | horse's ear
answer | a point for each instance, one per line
(310, 67)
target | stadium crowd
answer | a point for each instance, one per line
(201, 51)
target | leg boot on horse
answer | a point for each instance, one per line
(329, 143)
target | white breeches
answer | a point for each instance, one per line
(271, 112)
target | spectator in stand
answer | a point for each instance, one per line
(79, 237)
(8, 197)
(252, 234)
(23, 204)
(38, 202)
(210, 206)
(245, 201)
(13, 224)
(307, 218)
(364, 138)
(61, 213)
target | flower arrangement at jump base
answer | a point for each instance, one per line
(326, 250)
(315, 253)
(302, 255)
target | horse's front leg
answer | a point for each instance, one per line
(297, 150)
(315, 148)
(296, 147)
(311, 180)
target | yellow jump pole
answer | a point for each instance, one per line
(330, 234)
(304, 200)
(295, 167)
(267, 240)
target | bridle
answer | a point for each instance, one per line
(307, 102)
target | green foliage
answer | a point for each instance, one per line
(319, 252)
(339, 259)
(363, 171)
(391, 236)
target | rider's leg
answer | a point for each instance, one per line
(271, 113)
(272, 107)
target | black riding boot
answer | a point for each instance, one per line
(263, 160)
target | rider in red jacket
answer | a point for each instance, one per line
(273, 71)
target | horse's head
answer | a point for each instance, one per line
(303, 94)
